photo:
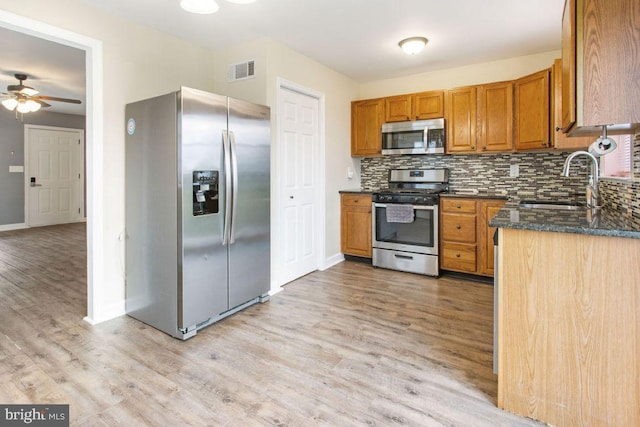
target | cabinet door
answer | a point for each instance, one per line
(568, 65)
(488, 208)
(562, 141)
(355, 225)
(428, 105)
(366, 123)
(532, 111)
(601, 65)
(496, 116)
(398, 108)
(461, 119)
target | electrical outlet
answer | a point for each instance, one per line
(349, 172)
(514, 171)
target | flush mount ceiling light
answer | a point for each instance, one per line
(413, 45)
(205, 7)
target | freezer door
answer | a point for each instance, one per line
(203, 291)
(249, 249)
(151, 208)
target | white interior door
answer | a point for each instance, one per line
(54, 174)
(299, 137)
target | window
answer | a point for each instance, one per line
(617, 164)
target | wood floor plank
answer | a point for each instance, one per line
(352, 345)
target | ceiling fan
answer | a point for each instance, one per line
(25, 99)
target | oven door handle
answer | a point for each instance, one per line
(416, 207)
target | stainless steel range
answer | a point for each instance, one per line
(405, 220)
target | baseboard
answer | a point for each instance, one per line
(111, 312)
(9, 227)
(331, 261)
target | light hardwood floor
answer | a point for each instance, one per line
(352, 345)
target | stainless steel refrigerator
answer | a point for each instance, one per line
(197, 209)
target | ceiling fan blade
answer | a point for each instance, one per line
(53, 98)
(43, 104)
(22, 89)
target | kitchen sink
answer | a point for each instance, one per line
(550, 205)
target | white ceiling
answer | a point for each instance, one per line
(358, 38)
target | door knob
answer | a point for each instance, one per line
(32, 182)
(291, 197)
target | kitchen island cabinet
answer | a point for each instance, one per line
(569, 317)
(355, 224)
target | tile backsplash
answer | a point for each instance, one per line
(539, 176)
(539, 173)
(622, 195)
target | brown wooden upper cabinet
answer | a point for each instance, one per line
(495, 117)
(367, 117)
(533, 103)
(600, 64)
(480, 118)
(416, 106)
(461, 115)
(562, 141)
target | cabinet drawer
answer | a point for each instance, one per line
(459, 228)
(458, 257)
(356, 200)
(458, 205)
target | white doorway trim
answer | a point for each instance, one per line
(28, 128)
(320, 203)
(94, 146)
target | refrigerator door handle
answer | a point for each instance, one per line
(234, 197)
(227, 185)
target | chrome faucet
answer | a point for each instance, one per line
(593, 191)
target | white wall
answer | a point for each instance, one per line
(487, 72)
(275, 61)
(138, 63)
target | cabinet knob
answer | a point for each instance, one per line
(459, 206)
(458, 227)
(457, 255)
(473, 147)
(356, 201)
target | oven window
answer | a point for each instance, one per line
(409, 139)
(420, 232)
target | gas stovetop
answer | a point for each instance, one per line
(414, 186)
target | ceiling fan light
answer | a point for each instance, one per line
(33, 105)
(23, 107)
(201, 7)
(413, 45)
(10, 104)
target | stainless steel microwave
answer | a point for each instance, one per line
(416, 137)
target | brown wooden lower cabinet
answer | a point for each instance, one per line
(355, 224)
(466, 241)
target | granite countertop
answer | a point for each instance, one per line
(581, 221)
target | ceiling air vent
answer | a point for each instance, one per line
(242, 71)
